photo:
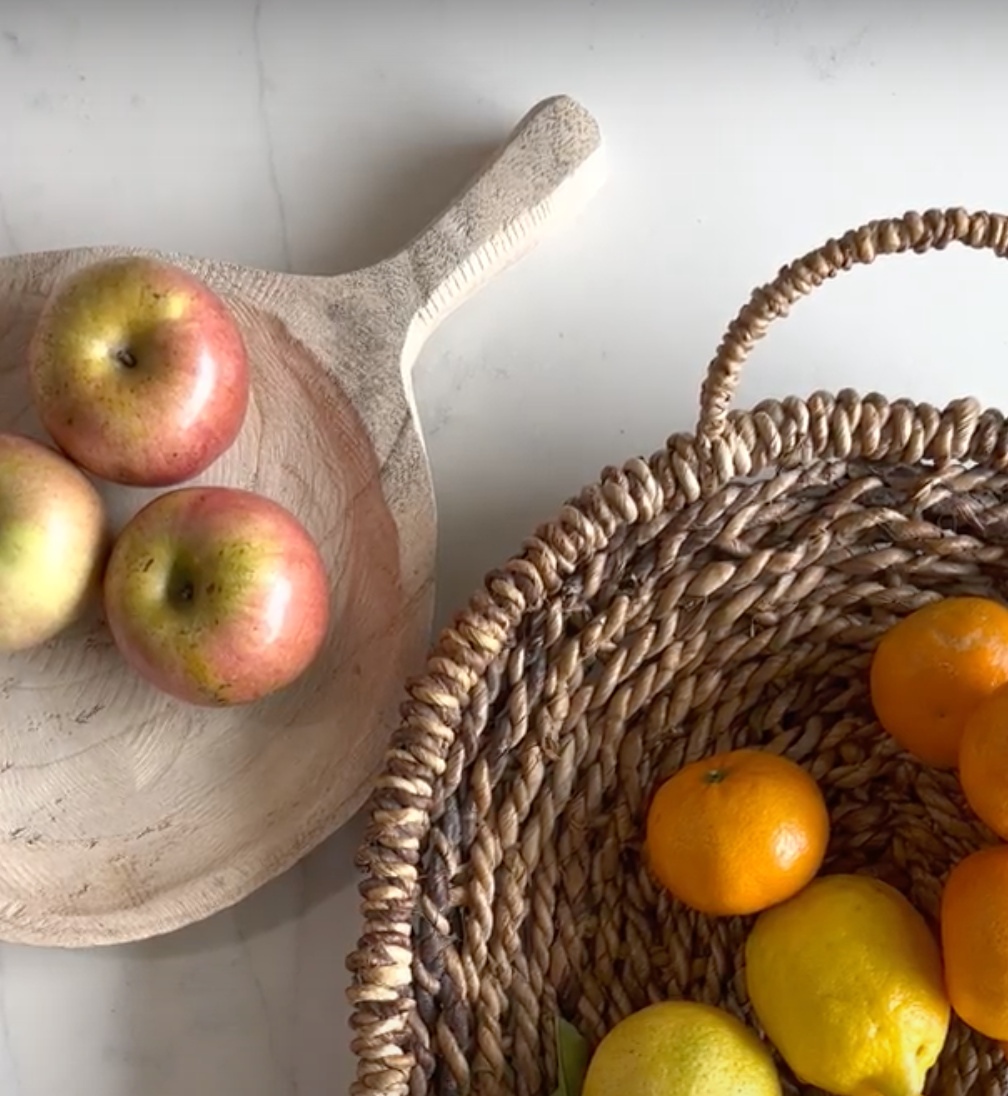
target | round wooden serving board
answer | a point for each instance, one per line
(124, 814)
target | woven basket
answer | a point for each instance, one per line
(727, 591)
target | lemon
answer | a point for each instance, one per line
(846, 979)
(681, 1048)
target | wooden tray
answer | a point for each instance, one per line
(124, 814)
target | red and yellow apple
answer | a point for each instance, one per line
(139, 371)
(52, 542)
(216, 595)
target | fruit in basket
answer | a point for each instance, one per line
(52, 542)
(933, 668)
(217, 595)
(846, 980)
(974, 930)
(139, 371)
(983, 761)
(681, 1047)
(736, 832)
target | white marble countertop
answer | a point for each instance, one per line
(317, 136)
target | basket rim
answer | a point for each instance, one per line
(776, 435)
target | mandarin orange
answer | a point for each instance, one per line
(974, 936)
(737, 832)
(983, 761)
(933, 668)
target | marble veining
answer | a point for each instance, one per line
(264, 90)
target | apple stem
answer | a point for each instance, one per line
(126, 358)
(181, 589)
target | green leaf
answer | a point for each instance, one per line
(572, 1059)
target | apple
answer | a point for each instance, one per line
(53, 542)
(139, 371)
(216, 595)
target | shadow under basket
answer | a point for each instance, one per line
(728, 591)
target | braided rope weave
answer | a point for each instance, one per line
(727, 591)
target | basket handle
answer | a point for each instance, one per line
(932, 230)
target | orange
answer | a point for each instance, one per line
(974, 933)
(737, 832)
(983, 761)
(933, 668)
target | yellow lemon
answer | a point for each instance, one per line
(681, 1048)
(846, 979)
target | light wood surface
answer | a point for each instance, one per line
(124, 814)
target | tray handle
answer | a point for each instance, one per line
(547, 169)
(932, 230)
